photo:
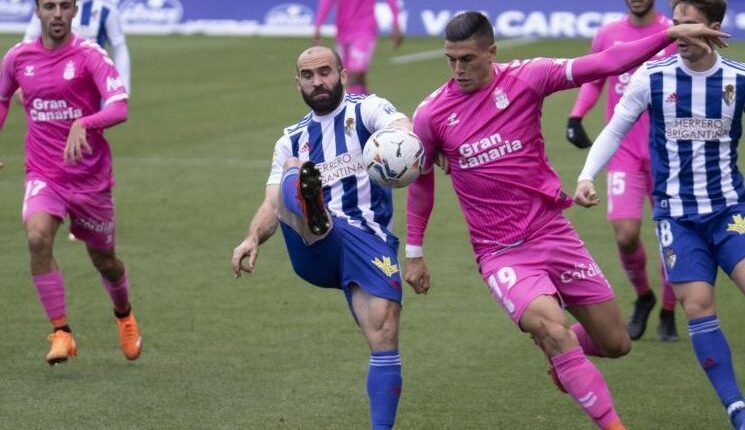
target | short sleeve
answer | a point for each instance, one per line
(636, 98)
(378, 113)
(282, 151)
(107, 79)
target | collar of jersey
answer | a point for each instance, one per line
(333, 113)
(706, 73)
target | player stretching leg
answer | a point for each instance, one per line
(336, 223)
(695, 102)
(486, 123)
(629, 177)
(68, 163)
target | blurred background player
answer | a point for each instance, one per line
(68, 163)
(356, 35)
(99, 21)
(629, 177)
(335, 221)
(486, 122)
(695, 102)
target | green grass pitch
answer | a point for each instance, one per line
(269, 351)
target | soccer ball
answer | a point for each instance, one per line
(393, 157)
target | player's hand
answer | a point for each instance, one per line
(317, 39)
(441, 159)
(699, 35)
(576, 133)
(396, 37)
(249, 248)
(585, 195)
(77, 144)
(417, 275)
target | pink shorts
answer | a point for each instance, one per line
(552, 262)
(357, 53)
(627, 191)
(91, 214)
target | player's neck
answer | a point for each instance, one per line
(52, 43)
(703, 64)
(644, 20)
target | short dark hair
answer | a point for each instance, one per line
(714, 10)
(470, 25)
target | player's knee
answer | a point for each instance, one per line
(627, 240)
(39, 242)
(620, 346)
(108, 266)
(696, 308)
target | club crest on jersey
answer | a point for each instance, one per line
(386, 266)
(500, 98)
(349, 126)
(738, 224)
(728, 94)
(670, 258)
(69, 72)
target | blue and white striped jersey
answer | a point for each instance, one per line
(695, 126)
(334, 142)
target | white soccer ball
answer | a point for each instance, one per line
(394, 157)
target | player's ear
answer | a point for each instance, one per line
(343, 77)
(493, 50)
(715, 26)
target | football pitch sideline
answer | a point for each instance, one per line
(269, 351)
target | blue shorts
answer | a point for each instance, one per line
(348, 255)
(693, 246)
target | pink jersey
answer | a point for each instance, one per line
(634, 152)
(492, 138)
(60, 86)
(354, 18)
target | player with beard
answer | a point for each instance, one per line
(73, 92)
(629, 174)
(335, 221)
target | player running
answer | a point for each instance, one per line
(629, 177)
(68, 163)
(695, 102)
(356, 35)
(337, 223)
(486, 123)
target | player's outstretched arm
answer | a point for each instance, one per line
(625, 56)
(262, 227)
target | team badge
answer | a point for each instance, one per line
(738, 224)
(69, 71)
(386, 266)
(670, 258)
(500, 98)
(729, 94)
(349, 126)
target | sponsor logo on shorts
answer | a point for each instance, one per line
(96, 226)
(386, 266)
(738, 224)
(581, 271)
(670, 258)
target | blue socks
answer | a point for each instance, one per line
(288, 190)
(384, 388)
(715, 358)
